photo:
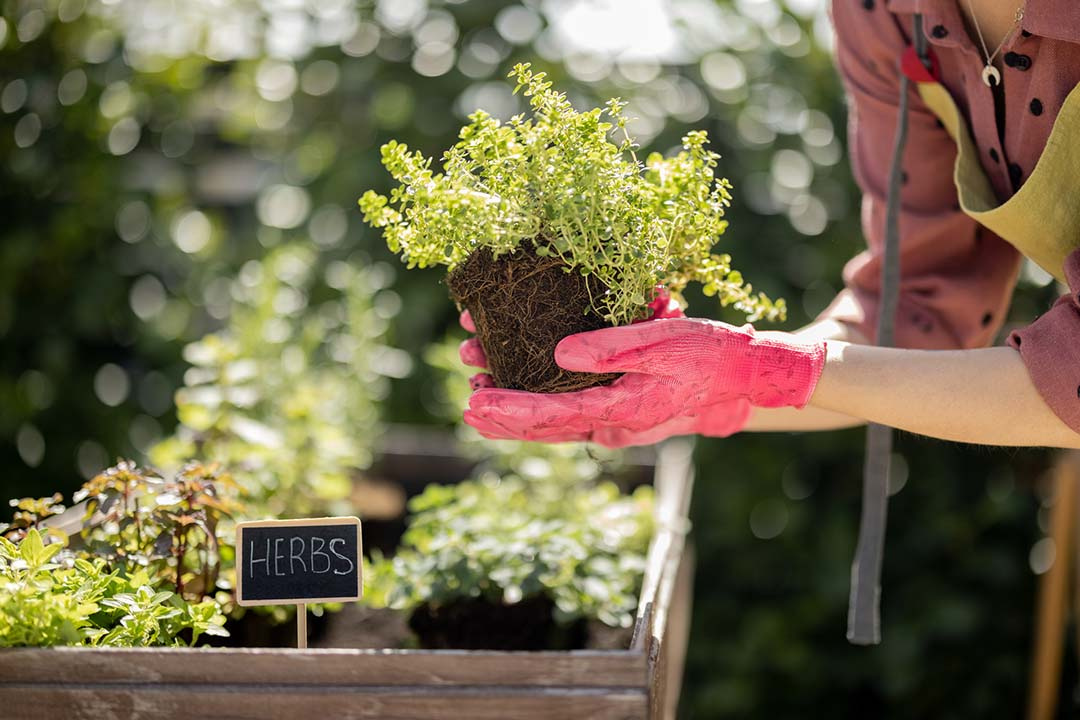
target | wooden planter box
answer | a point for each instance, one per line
(639, 682)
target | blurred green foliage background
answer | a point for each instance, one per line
(161, 159)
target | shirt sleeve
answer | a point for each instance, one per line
(956, 277)
(1050, 347)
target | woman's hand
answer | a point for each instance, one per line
(719, 420)
(681, 376)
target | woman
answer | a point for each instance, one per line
(992, 170)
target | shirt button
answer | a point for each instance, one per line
(939, 31)
(994, 155)
(1036, 107)
(868, 4)
(1020, 62)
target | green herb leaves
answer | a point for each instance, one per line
(49, 596)
(571, 184)
(508, 539)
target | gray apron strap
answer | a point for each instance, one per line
(864, 615)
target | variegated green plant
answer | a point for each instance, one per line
(570, 184)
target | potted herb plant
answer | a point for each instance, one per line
(508, 563)
(550, 225)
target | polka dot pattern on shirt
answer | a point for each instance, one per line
(1018, 61)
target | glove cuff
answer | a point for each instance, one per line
(785, 374)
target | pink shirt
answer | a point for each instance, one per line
(958, 276)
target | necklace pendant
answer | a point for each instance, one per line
(991, 76)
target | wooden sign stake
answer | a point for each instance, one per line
(300, 561)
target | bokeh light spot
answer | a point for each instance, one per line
(37, 388)
(328, 225)
(518, 25)
(275, 80)
(363, 41)
(191, 231)
(31, 25)
(433, 59)
(144, 432)
(133, 221)
(155, 393)
(400, 16)
(147, 297)
(177, 138)
(319, 78)
(14, 95)
(72, 87)
(90, 459)
(117, 100)
(723, 71)
(124, 136)
(283, 206)
(27, 130)
(70, 10)
(768, 519)
(111, 384)
(1042, 555)
(30, 444)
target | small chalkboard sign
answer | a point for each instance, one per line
(286, 562)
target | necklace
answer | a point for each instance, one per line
(991, 76)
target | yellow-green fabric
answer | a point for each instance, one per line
(1040, 220)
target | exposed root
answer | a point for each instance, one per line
(523, 305)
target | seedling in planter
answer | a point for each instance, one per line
(135, 518)
(504, 563)
(52, 595)
(550, 225)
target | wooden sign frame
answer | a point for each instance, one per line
(299, 522)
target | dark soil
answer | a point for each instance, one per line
(476, 625)
(523, 305)
(481, 625)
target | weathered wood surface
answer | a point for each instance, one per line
(638, 683)
(1057, 586)
(285, 666)
(666, 587)
(231, 702)
(677, 635)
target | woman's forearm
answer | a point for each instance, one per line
(975, 396)
(809, 419)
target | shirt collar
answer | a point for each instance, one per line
(1056, 19)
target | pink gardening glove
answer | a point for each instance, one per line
(681, 374)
